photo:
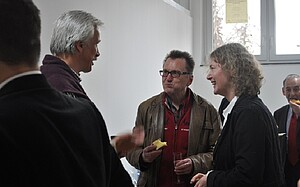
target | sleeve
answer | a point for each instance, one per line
(119, 176)
(133, 157)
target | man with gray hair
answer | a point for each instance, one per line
(47, 139)
(288, 121)
(74, 48)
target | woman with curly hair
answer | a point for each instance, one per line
(247, 151)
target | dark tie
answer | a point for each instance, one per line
(293, 153)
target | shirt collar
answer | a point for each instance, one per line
(168, 101)
(229, 108)
(17, 76)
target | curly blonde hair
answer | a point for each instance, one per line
(241, 66)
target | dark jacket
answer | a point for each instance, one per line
(281, 116)
(48, 139)
(62, 78)
(204, 129)
(247, 152)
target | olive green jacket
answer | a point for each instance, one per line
(203, 132)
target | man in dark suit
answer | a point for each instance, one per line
(288, 124)
(46, 138)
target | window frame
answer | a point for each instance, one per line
(268, 45)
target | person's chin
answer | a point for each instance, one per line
(169, 91)
(87, 70)
(216, 92)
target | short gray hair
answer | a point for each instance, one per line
(71, 27)
(290, 76)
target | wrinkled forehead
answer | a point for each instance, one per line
(293, 82)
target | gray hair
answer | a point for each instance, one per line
(243, 68)
(71, 27)
(290, 76)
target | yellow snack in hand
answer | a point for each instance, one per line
(159, 144)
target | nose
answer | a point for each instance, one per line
(97, 52)
(169, 77)
(208, 77)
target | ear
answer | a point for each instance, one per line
(191, 78)
(283, 91)
(79, 46)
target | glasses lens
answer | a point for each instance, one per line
(162, 73)
(175, 74)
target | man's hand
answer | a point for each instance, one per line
(126, 142)
(184, 166)
(150, 153)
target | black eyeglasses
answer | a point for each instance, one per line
(174, 74)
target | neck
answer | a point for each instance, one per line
(177, 99)
(230, 95)
(71, 61)
(7, 71)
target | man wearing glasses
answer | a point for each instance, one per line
(187, 122)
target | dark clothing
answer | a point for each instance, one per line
(48, 139)
(247, 152)
(223, 105)
(61, 77)
(292, 173)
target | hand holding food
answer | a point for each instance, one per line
(159, 144)
(150, 153)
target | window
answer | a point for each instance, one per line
(287, 39)
(271, 31)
